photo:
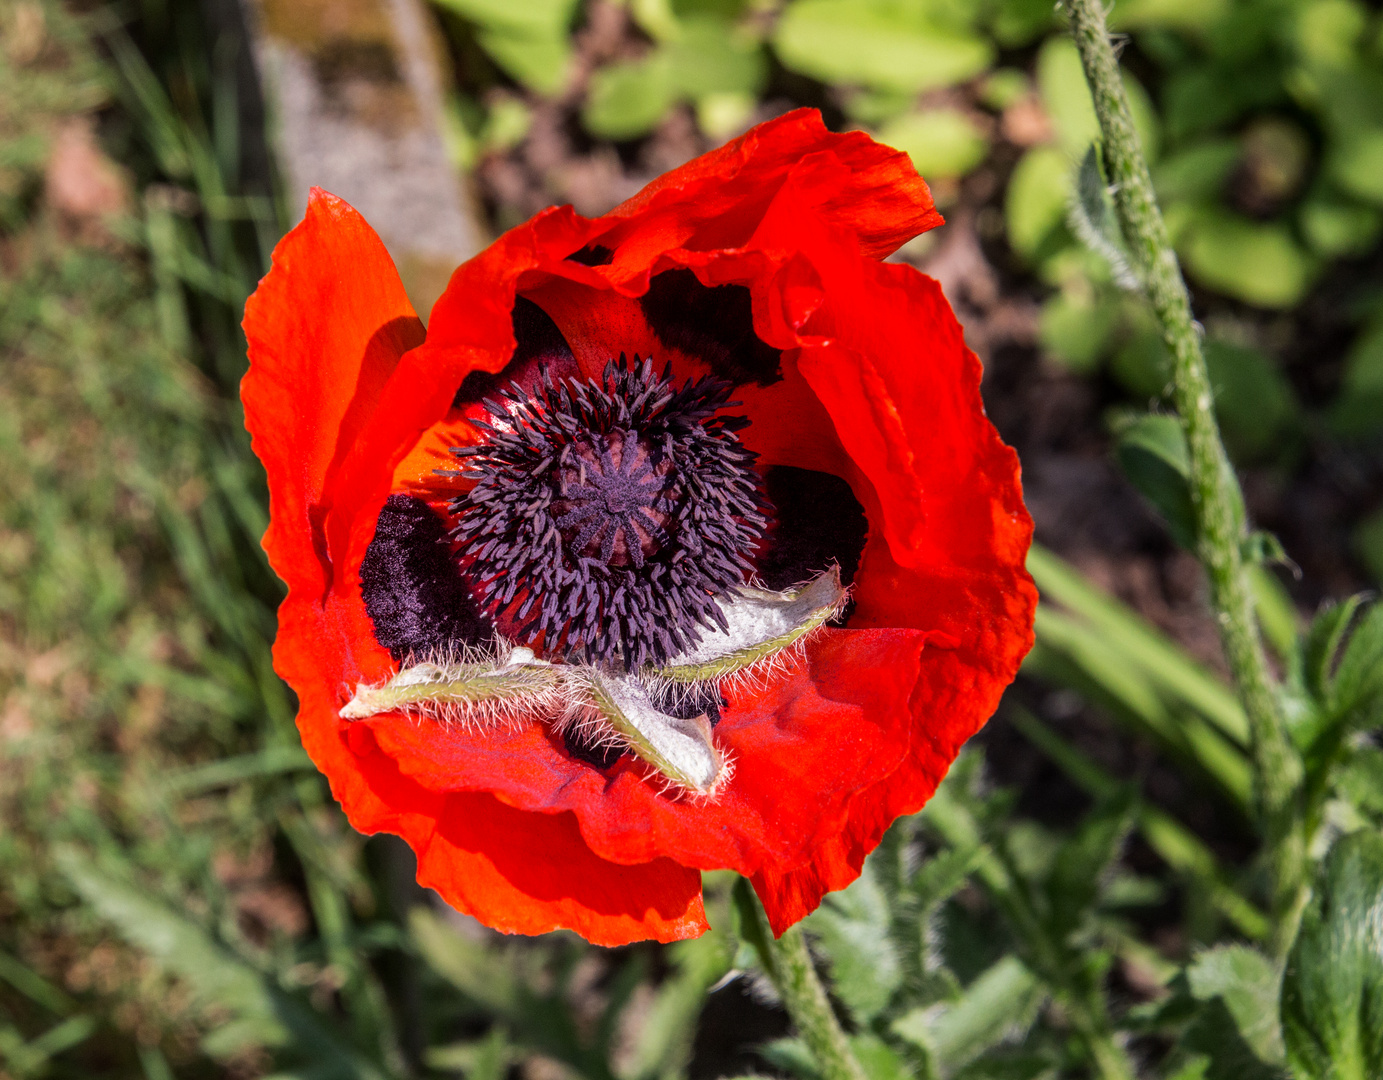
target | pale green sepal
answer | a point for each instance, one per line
(464, 691)
(761, 624)
(684, 751)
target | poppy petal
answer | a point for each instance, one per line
(325, 328)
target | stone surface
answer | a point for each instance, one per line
(354, 92)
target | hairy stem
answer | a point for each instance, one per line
(788, 963)
(1214, 489)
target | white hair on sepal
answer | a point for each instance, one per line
(472, 687)
(583, 718)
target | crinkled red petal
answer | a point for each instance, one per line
(800, 752)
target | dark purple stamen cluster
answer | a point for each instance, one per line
(606, 515)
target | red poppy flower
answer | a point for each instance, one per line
(649, 453)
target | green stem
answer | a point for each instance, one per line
(788, 963)
(1214, 489)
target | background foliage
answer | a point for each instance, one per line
(178, 894)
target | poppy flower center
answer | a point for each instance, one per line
(615, 500)
(607, 515)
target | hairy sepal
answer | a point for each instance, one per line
(508, 688)
(683, 751)
(761, 627)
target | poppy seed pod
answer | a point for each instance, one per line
(678, 541)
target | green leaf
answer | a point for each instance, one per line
(878, 1059)
(1337, 228)
(1066, 97)
(1083, 861)
(941, 142)
(793, 1057)
(853, 927)
(1218, 1051)
(877, 44)
(1322, 646)
(1192, 15)
(1259, 263)
(1153, 454)
(1181, 849)
(1000, 1004)
(1035, 203)
(1249, 984)
(1358, 682)
(536, 18)
(711, 56)
(1332, 993)
(261, 1014)
(1359, 410)
(1367, 542)
(1076, 326)
(1197, 173)
(1092, 219)
(1253, 399)
(1360, 780)
(1355, 161)
(528, 40)
(624, 101)
(664, 1043)
(1277, 614)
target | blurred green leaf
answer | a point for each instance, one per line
(1083, 862)
(1327, 33)
(876, 43)
(853, 926)
(1367, 542)
(1320, 651)
(708, 60)
(1194, 15)
(1035, 203)
(1091, 216)
(1152, 452)
(713, 56)
(1332, 993)
(1173, 842)
(261, 1014)
(1197, 172)
(999, 1005)
(1358, 682)
(1337, 228)
(1019, 22)
(941, 142)
(1254, 402)
(1359, 408)
(528, 40)
(1249, 985)
(1067, 100)
(629, 99)
(1256, 262)
(1360, 780)
(878, 1059)
(1076, 326)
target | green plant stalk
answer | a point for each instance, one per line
(788, 963)
(1214, 489)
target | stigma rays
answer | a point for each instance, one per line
(764, 632)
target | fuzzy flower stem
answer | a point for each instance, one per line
(788, 962)
(1215, 491)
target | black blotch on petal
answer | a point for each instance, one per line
(412, 587)
(715, 324)
(817, 521)
(592, 255)
(602, 757)
(536, 337)
(685, 702)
